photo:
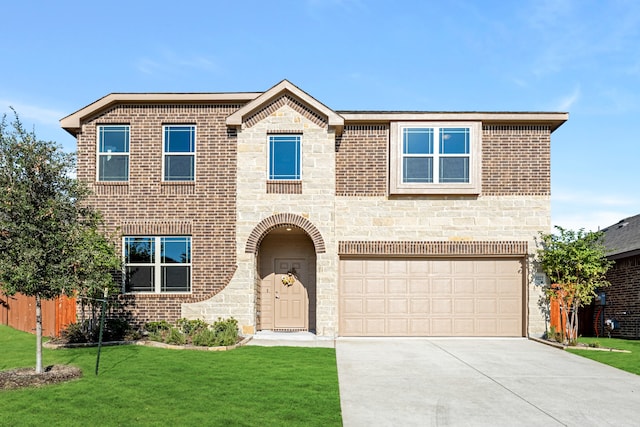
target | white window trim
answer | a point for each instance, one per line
(269, 156)
(99, 154)
(157, 266)
(164, 153)
(396, 186)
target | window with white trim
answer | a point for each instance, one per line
(437, 158)
(284, 157)
(178, 151)
(113, 153)
(157, 264)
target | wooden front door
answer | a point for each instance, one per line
(291, 305)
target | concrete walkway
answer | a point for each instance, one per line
(479, 382)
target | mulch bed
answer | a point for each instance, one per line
(27, 377)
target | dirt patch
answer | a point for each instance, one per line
(27, 377)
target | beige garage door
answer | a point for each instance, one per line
(431, 297)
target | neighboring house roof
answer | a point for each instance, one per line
(253, 101)
(623, 238)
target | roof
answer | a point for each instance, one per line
(622, 239)
(253, 101)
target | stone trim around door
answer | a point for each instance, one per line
(277, 220)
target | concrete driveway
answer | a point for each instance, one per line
(479, 382)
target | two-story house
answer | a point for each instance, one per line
(274, 209)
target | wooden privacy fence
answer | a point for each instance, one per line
(19, 312)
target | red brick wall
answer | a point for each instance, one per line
(361, 160)
(205, 209)
(516, 160)
(623, 297)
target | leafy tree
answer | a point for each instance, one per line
(576, 264)
(49, 240)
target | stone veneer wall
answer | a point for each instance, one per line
(256, 201)
(204, 209)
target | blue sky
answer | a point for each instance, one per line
(578, 56)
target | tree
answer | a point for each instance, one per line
(576, 264)
(47, 235)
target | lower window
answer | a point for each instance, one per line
(157, 264)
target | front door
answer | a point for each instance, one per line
(291, 297)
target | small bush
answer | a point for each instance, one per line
(175, 337)
(114, 330)
(204, 338)
(196, 332)
(191, 327)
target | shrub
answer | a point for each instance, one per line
(205, 338)
(226, 331)
(196, 332)
(175, 337)
(191, 327)
(114, 330)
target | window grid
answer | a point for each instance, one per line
(284, 157)
(160, 268)
(113, 153)
(178, 152)
(443, 160)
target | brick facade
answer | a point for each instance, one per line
(204, 209)
(623, 297)
(342, 202)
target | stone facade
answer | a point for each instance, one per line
(342, 197)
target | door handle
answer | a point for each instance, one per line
(277, 295)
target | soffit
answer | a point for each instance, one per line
(553, 119)
(72, 122)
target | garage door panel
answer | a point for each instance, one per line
(464, 306)
(419, 306)
(464, 326)
(398, 306)
(375, 327)
(375, 306)
(441, 306)
(418, 286)
(397, 287)
(441, 287)
(464, 286)
(431, 297)
(397, 326)
(353, 306)
(374, 286)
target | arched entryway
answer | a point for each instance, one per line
(286, 268)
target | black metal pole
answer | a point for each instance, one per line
(104, 309)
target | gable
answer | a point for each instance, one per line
(285, 93)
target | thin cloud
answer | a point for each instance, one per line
(566, 102)
(168, 62)
(32, 113)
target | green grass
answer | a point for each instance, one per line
(140, 385)
(629, 362)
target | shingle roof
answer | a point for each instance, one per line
(623, 237)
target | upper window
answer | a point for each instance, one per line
(435, 158)
(113, 153)
(179, 152)
(157, 264)
(284, 157)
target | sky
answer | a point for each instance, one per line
(575, 56)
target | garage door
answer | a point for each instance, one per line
(431, 297)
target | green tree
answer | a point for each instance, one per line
(49, 239)
(576, 265)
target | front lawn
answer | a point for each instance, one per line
(629, 362)
(140, 385)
